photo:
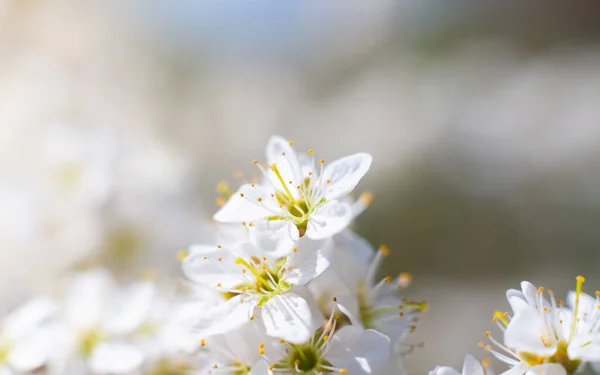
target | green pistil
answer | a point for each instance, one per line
(255, 272)
(307, 357)
(287, 190)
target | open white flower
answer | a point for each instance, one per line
(26, 336)
(294, 190)
(349, 350)
(101, 320)
(546, 331)
(250, 278)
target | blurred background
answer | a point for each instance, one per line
(118, 118)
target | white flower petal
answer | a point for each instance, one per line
(130, 308)
(88, 298)
(208, 265)
(520, 369)
(345, 173)
(357, 350)
(443, 370)
(226, 316)
(260, 368)
(289, 316)
(280, 152)
(587, 304)
(329, 219)
(242, 206)
(547, 369)
(34, 350)
(309, 261)
(472, 366)
(530, 292)
(525, 332)
(115, 358)
(28, 316)
(585, 347)
(274, 237)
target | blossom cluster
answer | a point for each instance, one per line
(283, 287)
(543, 336)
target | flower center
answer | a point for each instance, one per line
(305, 359)
(88, 341)
(267, 279)
(298, 207)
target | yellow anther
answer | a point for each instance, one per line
(261, 345)
(270, 367)
(243, 270)
(181, 255)
(405, 277)
(322, 161)
(367, 197)
(328, 181)
(385, 250)
(388, 279)
(291, 143)
(202, 342)
(215, 366)
(259, 199)
(401, 314)
(220, 259)
(220, 201)
(325, 338)
(550, 292)
(218, 285)
(254, 161)
(295, 249)
(343, 371)
(485, 362)
(261, 351)
(242, 195)
(310, 151)
(281, 341)
(250, 224)
(488, 333)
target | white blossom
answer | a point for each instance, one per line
(293, 189)
(251, 278)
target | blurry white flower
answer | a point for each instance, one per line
(241, 351)
(27, 336)
(292, 189)
(101, 320)
(543, 332)
(250, 277)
